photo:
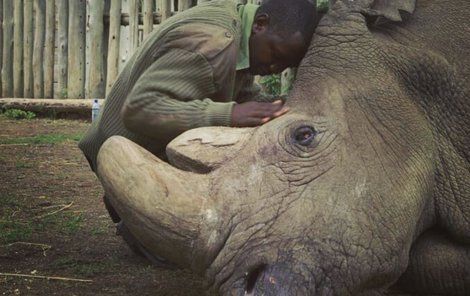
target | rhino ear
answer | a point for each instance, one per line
(389, 9)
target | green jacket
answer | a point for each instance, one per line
(182, 77)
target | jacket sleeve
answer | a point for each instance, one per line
(170, 97)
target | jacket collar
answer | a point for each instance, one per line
(247, 14)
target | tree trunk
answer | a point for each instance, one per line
(49, 50)
(134, 24)
(62, 48)
(96, 74)
(165, 9)
(76, 52)
(28, 48)
(18, 50)
(38, 51)
(148, 17)
(7, 67)
(184, 4)
(113, 43)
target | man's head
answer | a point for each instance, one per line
(280, 35)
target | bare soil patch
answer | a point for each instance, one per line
(53, 221)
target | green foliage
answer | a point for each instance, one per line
(64, 222)
(99, 230)
(64, 93)
(91, 269)
(83, 268)
(10, 228)
(70, 223)
(14, 229)
(272, 84)
(42, 139)
(23, 165)
(11, 231)
(19, 114)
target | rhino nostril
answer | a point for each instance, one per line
(277, 280)
(252, 277)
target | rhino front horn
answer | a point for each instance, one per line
(165, 208)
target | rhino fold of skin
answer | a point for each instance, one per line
(363, 188)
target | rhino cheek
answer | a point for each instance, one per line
(336, 221)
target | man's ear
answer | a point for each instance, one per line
(389, 10)
(261, 22)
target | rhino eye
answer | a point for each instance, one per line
(304, 135)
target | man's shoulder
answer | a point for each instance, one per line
(207, 39)
(212, 29)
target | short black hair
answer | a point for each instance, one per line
(289, 16)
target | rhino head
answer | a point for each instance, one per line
(341, 196)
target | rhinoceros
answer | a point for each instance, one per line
(363, 188)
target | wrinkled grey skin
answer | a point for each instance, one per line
(379, 202)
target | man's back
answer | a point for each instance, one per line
(211, 31)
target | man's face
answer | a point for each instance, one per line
(270, 53)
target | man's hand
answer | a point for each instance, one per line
(255, 113)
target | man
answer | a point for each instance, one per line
(197, 70)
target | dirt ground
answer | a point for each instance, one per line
(53, 222)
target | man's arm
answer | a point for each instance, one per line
(171, 96)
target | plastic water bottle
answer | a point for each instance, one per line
(95, 110)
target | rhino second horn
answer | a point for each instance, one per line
(166, 209)
(205, 149)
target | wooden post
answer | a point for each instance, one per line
(104, 52)
(113, 43)
(125, 44)
(1, 43)
(7, 64)
(62, 48)
(28, 44)
(18, 50)
(38, 50)
(76, 49)
(134, 24)
(165, 9)
(96, 74)
(184, 4)
(148, 17)
(49, 50)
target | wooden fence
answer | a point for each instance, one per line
(74, 48)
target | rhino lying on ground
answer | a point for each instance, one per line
(361, 189)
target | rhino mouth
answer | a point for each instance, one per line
(276, 279)
(251, 279)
